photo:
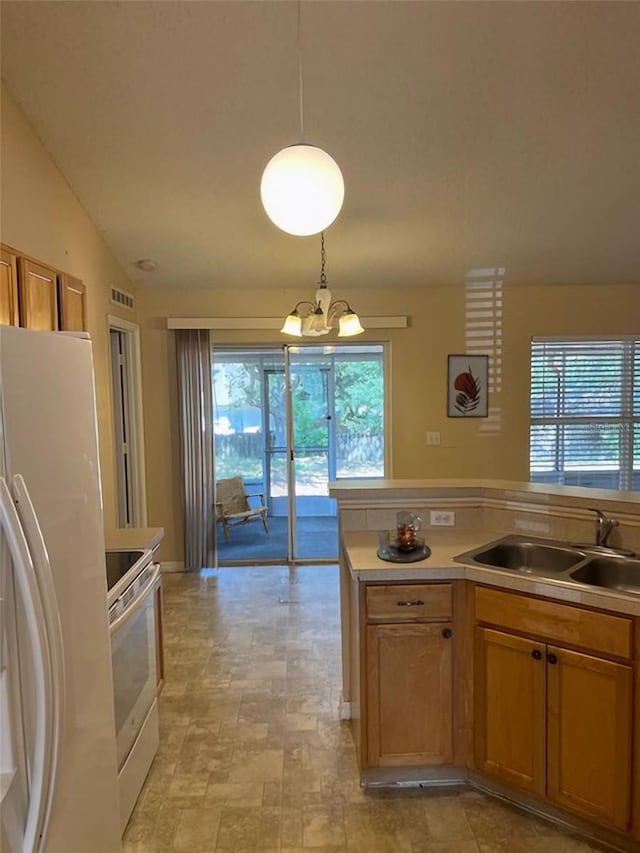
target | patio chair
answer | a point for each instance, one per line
(233, 508)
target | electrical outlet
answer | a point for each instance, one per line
(432, 438)
(440, 518)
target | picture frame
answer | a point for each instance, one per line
(468, 386)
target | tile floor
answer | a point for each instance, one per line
(253, 756)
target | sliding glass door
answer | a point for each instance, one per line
(250, 442)
(289, 420)
(314, 527)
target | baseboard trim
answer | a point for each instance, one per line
(168, 566)
(612, 838)
(461, 777)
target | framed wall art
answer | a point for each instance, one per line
(468, 386)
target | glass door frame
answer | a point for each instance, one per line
(267, 452)
(292, 526)
(287, 350)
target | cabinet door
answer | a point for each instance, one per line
(589, 735)
(8, 289)
(409, 693)
(510, 705)
(72, 295)
(38, 296)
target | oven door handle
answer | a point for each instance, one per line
(137, 602)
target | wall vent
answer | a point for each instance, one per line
(122, 298)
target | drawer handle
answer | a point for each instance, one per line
(414, 602)
(552, 659)
(447, 633)
(536, 654)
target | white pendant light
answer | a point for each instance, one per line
(302, 188)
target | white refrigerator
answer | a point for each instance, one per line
(58, 773)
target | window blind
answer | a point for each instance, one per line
(585, 412)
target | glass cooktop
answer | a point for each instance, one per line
(119, 563)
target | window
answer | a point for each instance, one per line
(585, 412)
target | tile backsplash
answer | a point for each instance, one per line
(572, 523)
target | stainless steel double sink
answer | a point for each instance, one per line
(592, 565)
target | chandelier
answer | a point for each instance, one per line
(302, 188)
(312, 319)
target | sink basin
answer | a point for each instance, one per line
(548, 558)
(617, 573)
(605, 550)
(517, 554)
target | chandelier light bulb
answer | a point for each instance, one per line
(349, 325)
(302, 190)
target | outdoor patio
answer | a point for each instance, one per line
(317, 539)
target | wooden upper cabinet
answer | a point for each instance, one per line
(73, 311)
(589, 735)
(9, 315)
(38, 296)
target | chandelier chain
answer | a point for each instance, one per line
(323, 258)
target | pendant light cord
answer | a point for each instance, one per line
(300, 82)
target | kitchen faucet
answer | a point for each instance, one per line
(604, 526)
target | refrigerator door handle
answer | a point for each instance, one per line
(53, 628)
(27, 584)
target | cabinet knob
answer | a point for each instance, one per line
(552, 659)
(536, 654)
(416, 602)
(447, 633)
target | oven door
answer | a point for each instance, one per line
(133, 654)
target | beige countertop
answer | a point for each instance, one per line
(364, 564)
(348, 491)
(128, 538)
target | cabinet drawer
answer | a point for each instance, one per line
(559, 623)
(403, 602)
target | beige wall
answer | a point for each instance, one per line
(40, 216)
(496, 447)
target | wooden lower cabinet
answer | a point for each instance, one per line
(589, 735)
(556, 723)
(551, 721)
(510, 699)
(409, 694)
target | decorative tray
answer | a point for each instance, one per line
(392, 554)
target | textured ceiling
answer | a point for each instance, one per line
(469, 134)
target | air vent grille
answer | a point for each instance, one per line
(122, 298)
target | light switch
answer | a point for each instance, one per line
(432, 438)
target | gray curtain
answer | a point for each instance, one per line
(195, 403)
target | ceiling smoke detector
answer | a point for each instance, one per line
(146, 265)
